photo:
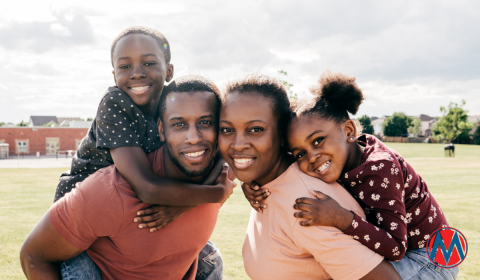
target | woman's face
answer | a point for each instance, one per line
(249, 139)
(320, 147)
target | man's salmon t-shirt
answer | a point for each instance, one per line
(97, 216)
(277, 247)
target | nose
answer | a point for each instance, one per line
(313, 158)
(193, 136)
(138, 73)
(240, 143)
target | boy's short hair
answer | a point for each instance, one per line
(155, 34)
(189, 83)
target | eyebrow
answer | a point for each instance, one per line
(249, 122)
(143, 55)
(182, 118)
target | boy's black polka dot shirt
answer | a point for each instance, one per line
(118, 123)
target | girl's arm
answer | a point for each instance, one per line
(383, 195)
(135, 167)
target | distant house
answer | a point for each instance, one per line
(476, 121)
(378, 125)
(427, 123)
(38, 121)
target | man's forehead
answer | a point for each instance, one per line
(189, 104)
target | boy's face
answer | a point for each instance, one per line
(189, 128)
(140, 69)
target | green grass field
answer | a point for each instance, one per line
(26, 194)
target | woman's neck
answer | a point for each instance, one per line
(282, 165)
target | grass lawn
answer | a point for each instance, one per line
(455, 182)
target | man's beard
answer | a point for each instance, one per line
(186, 172)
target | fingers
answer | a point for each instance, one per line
(306, 200)
(231, 174)
(159, 227)
(303, 207)
(259, 207)
(319, 194)
(150, 210)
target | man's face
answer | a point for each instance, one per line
(190, 128)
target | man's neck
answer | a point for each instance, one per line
(173, 172)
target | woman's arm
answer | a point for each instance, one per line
(135, 167)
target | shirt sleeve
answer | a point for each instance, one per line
(81, 216)
(340, 255)
(384, 193)
(119, 122)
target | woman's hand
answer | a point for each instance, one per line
(255, 195)
(322, 211)
(159, 216)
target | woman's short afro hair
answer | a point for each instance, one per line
(155, 34)
(334, 96)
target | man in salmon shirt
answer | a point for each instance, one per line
(99, 220)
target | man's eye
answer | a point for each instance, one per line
(256, 129)
(299, 155)
(178, 124)
(318, 141)
(225, 130)
(205, 122)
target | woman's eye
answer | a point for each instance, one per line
(318, 141)
(299, 155)
(225, 130)
(256, 129)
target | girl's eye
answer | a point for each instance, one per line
(299, 155)
(256, 129)
(225, 130)
(318, 141)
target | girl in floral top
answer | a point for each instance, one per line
(401, 212)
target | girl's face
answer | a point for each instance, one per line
(249, 139)
(321, 147)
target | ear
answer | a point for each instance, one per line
(114, 77)
(170, 71)
(160, 130)
(350, 130)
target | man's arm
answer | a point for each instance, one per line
(384, 270)
(44, 249)
(135, 167)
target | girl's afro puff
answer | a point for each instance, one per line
(334, 96)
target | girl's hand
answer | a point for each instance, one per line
(159, 216)
(255, 195)
(322, 211)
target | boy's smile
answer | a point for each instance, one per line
(140, 70)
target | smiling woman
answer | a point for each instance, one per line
(252, 123)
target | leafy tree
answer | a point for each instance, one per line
(22, 123)
(89, 119)
(396, 125)
(366, 123)
(453, 124)
(2, 123)
(288, 85)
(416, 127)
(476, 135)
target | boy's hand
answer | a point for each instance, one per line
(225, 183)
(255, 195)
(159, 216)
(322, 211)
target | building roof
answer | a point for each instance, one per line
(67, 120)
(373, 118)
(41, 120)
(425, 118)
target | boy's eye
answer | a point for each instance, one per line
(226, 130)
(124, 66)
(256, 129)
(318, 141)
(299, 155)
(150, 63)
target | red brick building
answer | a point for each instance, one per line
(46, 140)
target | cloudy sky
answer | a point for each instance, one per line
(408, 56)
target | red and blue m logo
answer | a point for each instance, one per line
(447, 247)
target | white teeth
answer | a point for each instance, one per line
(139, 88)
(242, 160)
(196, 154)
(324, 166)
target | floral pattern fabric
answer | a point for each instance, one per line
(401, 212)
(118, 123)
